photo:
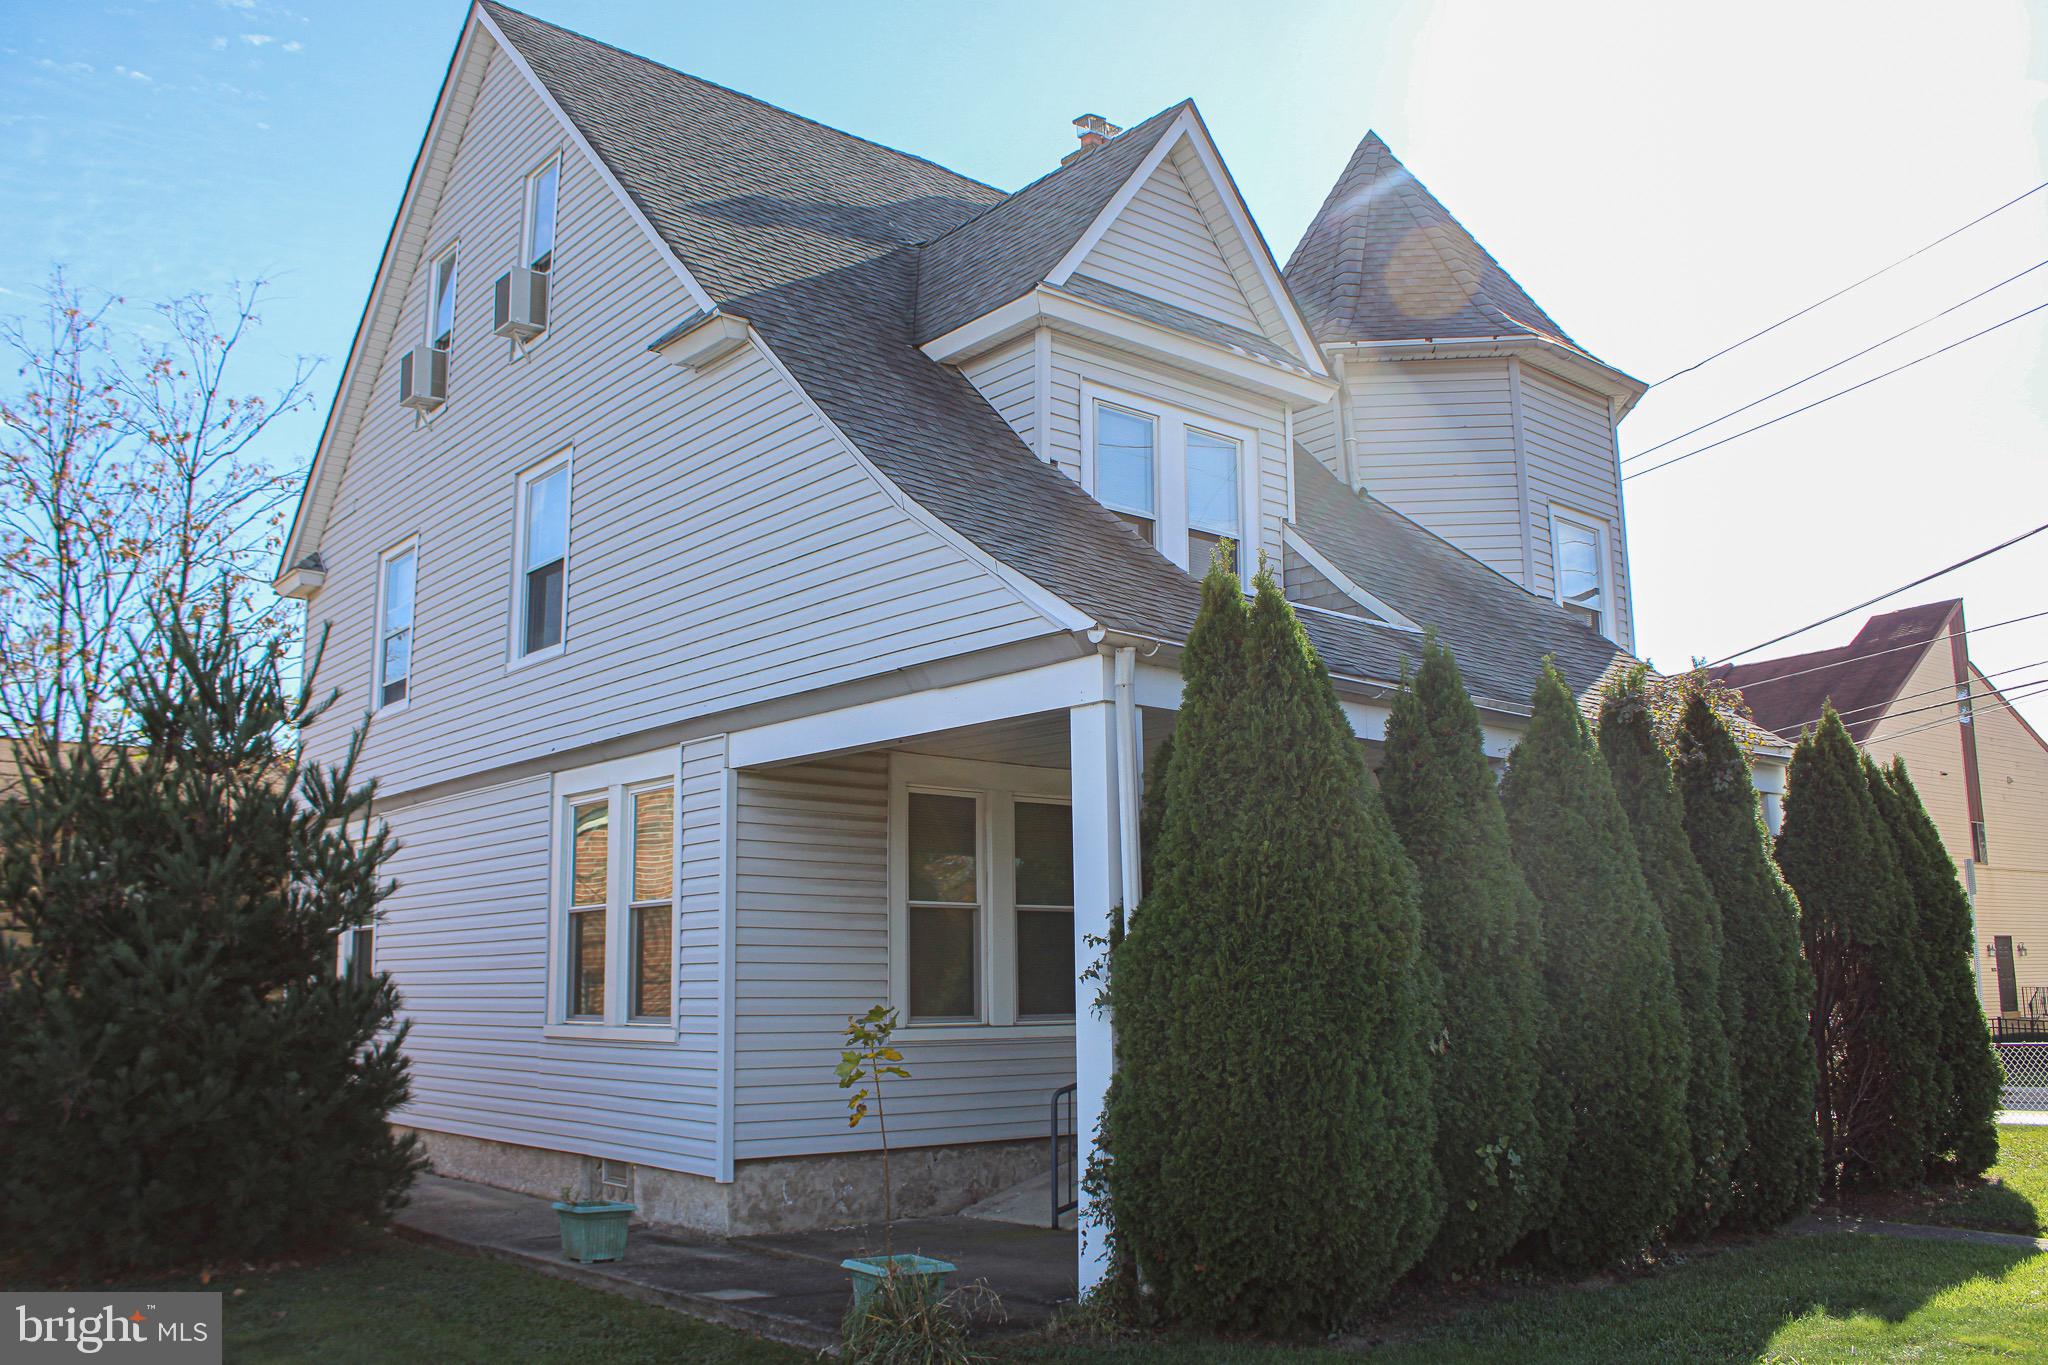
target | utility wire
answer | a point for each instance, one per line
(1948, 688)
(1855, 285)
(2019, 689)
(1839, 393)
(1903, 587)
(1880, 653)
(1640, 454)
(2005, 699)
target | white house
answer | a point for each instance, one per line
(762, 555)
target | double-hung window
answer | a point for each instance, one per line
(1579, 545)
(542, 188)
(614, 935)
(983, 866)
(543, 558)
(1180, 478)
(394, 625)
(441, 302)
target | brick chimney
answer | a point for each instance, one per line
(1094, 130)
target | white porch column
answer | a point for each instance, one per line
(1098, 875)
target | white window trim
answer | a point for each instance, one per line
(1170, 464)
(451, 253)
(996, 788)
(377, 704)
(616, 781)
(345, 948)
(526, 188)
(1603, 535)
(565, 458)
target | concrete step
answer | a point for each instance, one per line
(1029, 1203)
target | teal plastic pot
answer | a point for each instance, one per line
(870, 1271)
(594, 1231)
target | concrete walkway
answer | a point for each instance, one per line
(788, 1288)
(1814, 1223)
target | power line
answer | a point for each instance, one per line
(2020, 689)
(1839, 393)
(1948, 688)
(2005, 699)
(1903, 587)
(1855, 285)
(1879, 653)
(1836, 366)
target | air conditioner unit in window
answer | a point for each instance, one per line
(423, 379)
(519, 307)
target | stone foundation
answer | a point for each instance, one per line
(772, 1194)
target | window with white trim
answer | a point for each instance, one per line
(397, 578)
(358, 953)
(441, 302)
(983, 869)
(1179, 477)
(1579, 544)
(543, 559)
(613, 945)
(543, 187)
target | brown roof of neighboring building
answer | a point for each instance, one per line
(1861, 678)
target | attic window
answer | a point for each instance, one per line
(441, 303)
(541, 189)
(1126, 465)
(1579, 544)
(1180, 477)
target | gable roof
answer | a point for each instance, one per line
(1861, 678)
(1383, 260)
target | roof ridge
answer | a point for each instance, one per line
(502, 8)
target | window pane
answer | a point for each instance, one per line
(654, 828)
(1212, 482)
(1143, 525)
(397, 662)
(543, 234)
(941, 841)
(1045, 962)
(590, 842)
(586, 962)
(398, 584)
(547, 518)
(444, 301)
(1578, 562)
(1045, 854)
(1202, 548)
(652, 961)
(362, 963)
(942, 957)
(1124, 444)
(544, 607)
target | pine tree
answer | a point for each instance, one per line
(1620, 1046)
(1963, 1127)
(187, 1080)
(1271, 1120)
(1483, 933)
(1692, 922)
(1778, 1171)
(1856, 920)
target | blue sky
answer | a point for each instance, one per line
(1661, 182)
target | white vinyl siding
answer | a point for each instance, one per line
(1568, 440)
(465, 938)
(812, 852)
(727, 547)
(1161, 247)
(1007, 379)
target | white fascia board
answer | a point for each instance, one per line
(299, 581)
(1541, 352)
(1049, 306)
(1050, 687)
(711, 340)
(1182, 124)
(1317, 560)
(1046, 603)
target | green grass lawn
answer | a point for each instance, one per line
(2014, 1197)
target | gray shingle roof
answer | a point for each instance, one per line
(814, 236)
(1383, 260)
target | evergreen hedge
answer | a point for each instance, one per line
(1620, 1048)
(1692, 922)
(1870, 1010)
(1484, 934)
(1270, 1119)
(186, 1079)
(1963, 1127)
(1777, 1173)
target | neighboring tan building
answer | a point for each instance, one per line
(1905, 686)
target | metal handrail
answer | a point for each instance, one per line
(1065, 1092)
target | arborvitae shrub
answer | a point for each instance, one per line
(1692, 922)
(1963, 1132)
(186, 1079)
(1856, 921)
(1271, 1114)
(1620, 1046)
(1778, 1171)
(1483, 933)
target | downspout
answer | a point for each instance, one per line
(1345, 441)
(1128, 850)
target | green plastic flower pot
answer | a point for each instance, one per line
(593, 1232)
(870, 1271)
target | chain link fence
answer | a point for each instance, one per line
(2026, 1074)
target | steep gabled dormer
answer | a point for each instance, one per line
(1464, 405)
